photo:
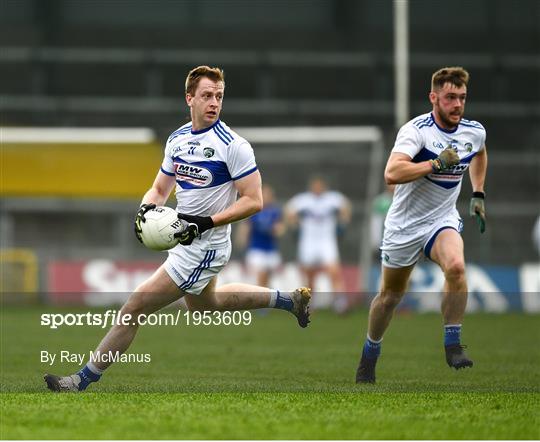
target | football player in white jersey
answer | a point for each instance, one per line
(210, 165)
(319, 214)
(427, 163)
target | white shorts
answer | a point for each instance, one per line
(314, 254)
(192, 267)
(263, 260)
(401, 249)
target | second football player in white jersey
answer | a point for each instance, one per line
(427, 163)
(320, 214)
(210, 165)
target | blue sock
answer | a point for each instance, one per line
(281, 301)
(452, 334)
(87, 377)
(372, 349)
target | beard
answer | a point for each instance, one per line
(445, 117)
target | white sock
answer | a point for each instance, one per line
(273, 298)
(373, 340)
(93, 368)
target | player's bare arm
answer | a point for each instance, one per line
(249, 202)
(477, 170)
(291, 217)
(400, 169)
(155, 196)
(345, 213)
(242, 235)
(279, 229)
(160, 190)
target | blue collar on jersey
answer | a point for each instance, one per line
(442, 129)
(197, 132)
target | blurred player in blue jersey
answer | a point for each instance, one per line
(427, 163)
(320, 215)
(260, 233)
(217, 182)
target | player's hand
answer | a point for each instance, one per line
(447, 159)
(340, 229)
(139, 218)
(197, 225)
(477, 209)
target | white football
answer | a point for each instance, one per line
(159, 229)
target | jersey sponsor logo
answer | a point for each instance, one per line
(459, 168)
(454, 173)
(194, 143)
(208, 152)
(196, 175)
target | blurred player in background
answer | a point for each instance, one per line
(320, 215)
(259, 234)
(380, 206)
(210, 165)
(427, 163)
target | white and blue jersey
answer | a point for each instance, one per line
(434, 196)
(262, 224)
(205, 164)
(318, 217)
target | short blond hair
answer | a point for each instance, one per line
(194, 77)
(455, 75)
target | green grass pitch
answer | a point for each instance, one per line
(273, 380)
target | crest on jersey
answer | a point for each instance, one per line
(468, 147)
(208, 152)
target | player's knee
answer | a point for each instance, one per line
(390, 299)
(455, 270)
(134, 307)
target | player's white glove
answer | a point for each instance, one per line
(447, 159)
(196, 226)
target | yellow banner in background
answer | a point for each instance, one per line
(108, 170)
(19, 273)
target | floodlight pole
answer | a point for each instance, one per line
(401, 61)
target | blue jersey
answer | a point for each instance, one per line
(262, 228)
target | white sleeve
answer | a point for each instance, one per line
(294, 205)
(240, 159)
(338, 200)
(483, 140)
(408, 141)
(167, 166)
